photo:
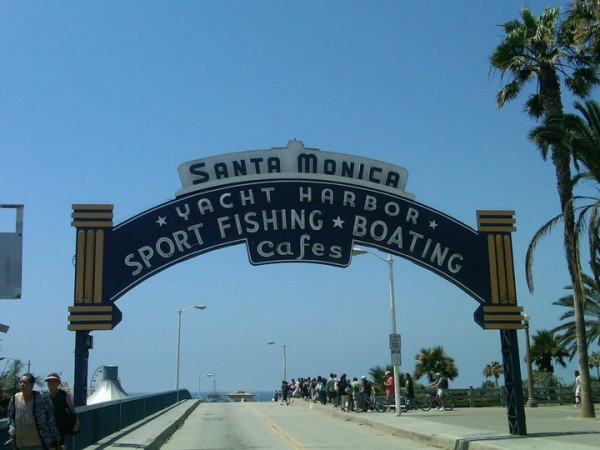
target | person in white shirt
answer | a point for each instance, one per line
(577, 389)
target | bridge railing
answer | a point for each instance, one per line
(103, 419)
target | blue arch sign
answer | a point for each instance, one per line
(290, 204)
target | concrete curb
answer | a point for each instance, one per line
(150, 433)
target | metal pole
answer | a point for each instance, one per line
(531, 403)
(284, 363)
(81, 367)
(181, 311)
(178, 347)
(390, 262)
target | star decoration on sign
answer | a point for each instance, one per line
(339, 223)
(161, 221)
(433, 224)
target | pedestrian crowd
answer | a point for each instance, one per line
(357, 394)
(340, 391)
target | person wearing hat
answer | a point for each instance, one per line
(62, 403)
(390, 388)
(440, 383)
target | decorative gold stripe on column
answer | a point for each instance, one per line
(503, 317)
(98, 266)
(90, 318)
(79, 267)
(501, 269)
(92, 216)
(91, 222)
(89, 266)
(496, 221)
(499, 225)
(493, 269)
(510, 269)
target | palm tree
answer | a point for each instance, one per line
(493, 369)
(9, 379)
(432, 360)
(582, 27)
(566, 331)
(547, 350)
(377, 374)
(533, 48)
(580, 136)
(595, 362)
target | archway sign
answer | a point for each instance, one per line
(294, 204)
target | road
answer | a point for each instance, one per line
(274, 426)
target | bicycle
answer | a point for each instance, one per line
(428, 402)
(422, 401)
(372, 403)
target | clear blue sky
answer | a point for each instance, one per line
(101, 101)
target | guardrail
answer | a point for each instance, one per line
(479, 397)
(103, 419)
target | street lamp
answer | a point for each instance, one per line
(531, 402)
(390, 262)
(205, 375)
(284, 358)
(181, 311)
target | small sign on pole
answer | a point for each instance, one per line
(395, 342)
(396, 358)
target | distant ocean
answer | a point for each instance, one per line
(263, 396)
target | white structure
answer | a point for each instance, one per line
(109, 388)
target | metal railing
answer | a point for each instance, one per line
(480, 397)
(103, 419)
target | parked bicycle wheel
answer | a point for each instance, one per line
(378, 405)
(448, 403)
(425, 403)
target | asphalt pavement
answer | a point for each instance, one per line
(548, 427)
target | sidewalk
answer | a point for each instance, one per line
(548, 427)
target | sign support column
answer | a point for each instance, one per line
(90, 311)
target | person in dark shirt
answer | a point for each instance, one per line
(61, 401)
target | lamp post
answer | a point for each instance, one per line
(390, 262)
(531, 402)
(181, 311)
(284, 358)
(205, 375)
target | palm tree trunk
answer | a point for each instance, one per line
(551, 98)
(571, 243)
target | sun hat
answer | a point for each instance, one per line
(52, 376)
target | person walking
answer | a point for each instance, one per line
(390, 389)
(577, 389)
(409, 390)
(31, 418)
(441, 384)
(331, 392)
(62, 402)
(285, 392)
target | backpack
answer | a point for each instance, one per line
(444, 383)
